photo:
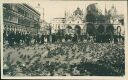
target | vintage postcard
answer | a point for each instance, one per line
(63, 39)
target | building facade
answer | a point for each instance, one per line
(57, 24)
(117, 20)
(75, 22)
(71, 24)
(21, 22)
(92, 23)
(20, 18)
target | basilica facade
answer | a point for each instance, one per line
(76, 23)
(71, 24)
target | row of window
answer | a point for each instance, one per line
(59, 20)
(23, 22)
(8, 16)
(58, 25)
(15, 28)
(12, 18)
(16, 8)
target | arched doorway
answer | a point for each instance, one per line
(118, 35)
(109, 33)
(69, 28)
(100, 37)
(91, 32)
(110, 29)
(118, 30)
(77, 33)
(100, 29)
(67, 37)
(77, 30)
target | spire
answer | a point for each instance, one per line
(43, 14)
(38, 4)
(113, 6)
(85, 10)
(38, 7)
(115, 9)
(78, 7)
(65, 14)
(105, 10)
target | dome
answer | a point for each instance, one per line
(78, 11)
(112, 11)
(93, 8)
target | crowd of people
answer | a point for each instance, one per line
(64, 59)
(12, 38)
(18, 38)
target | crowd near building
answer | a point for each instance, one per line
(22, 25)
(92, 22)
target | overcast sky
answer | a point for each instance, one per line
(54, 9)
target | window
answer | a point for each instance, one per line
(6, 14)
(118, 29)
(14, 7)
(21, 11)
(7, 6)
(14, 19)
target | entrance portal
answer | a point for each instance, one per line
(77, 30)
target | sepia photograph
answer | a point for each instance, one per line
(63, 38)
